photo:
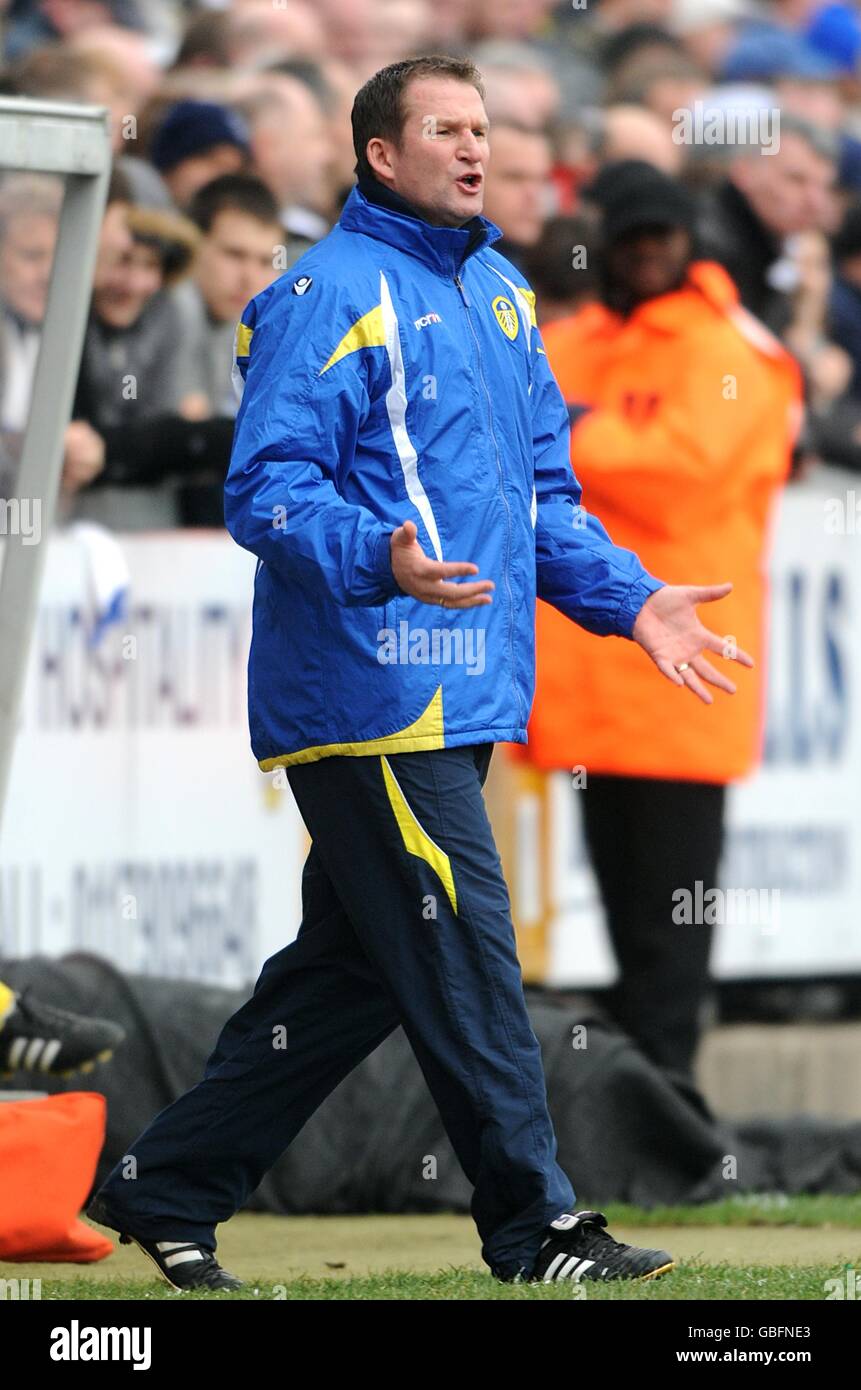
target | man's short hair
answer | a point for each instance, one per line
(233, 193)
(378, 109)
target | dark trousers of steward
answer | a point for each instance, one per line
(406, 920)
(669, 836)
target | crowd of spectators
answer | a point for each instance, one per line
(233, 153)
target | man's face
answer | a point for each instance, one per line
(235, 262)
(26, 257)
(649, 261)
(127, 275)
(440, 161)
(517, 184)
(790, 191)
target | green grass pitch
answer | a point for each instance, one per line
(769, 1247)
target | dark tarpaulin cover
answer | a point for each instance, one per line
(627, 1131)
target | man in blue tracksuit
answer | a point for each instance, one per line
(400, 468)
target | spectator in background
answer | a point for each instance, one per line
(197, 141)
(128, 53)
(348, 32)
(292, 153)
(33, 22)
(239, 255)
(710, 29)
(338, 92)
(259, 33)
(133, 346)
(827, 368)
(766, 224)
(602, 136)
(681, 410)
(632, 132)
(662, 83)
(518, 20)
(845, 294)
(765, 200)
(399, 27)
(769, 52)
(205, 41)
(837, 438)
(518, 191)
(520, 83)
(332, 86)
(561, 267)
(605, 135)
(750, 108)
(803, 82)
(29, 212)
(632, 42)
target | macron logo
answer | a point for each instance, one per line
(427, 319)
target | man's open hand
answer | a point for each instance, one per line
(668, 628)
(425, 579)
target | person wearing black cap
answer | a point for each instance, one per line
(196, 142)
(638, 204)
(682, 410)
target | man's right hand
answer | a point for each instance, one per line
(425, 579)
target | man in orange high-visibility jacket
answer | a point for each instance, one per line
(684, 411)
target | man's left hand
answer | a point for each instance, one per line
(667, 627)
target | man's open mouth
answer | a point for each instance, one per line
(470, 183)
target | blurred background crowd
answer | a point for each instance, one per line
(233, 153)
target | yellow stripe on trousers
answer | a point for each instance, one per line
(415, 837)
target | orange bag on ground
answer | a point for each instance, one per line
(49, 1149)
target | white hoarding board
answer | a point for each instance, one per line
(139, 825)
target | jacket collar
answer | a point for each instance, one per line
(379, 212)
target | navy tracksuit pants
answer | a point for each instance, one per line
(406, 920)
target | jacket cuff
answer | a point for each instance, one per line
(382, 566)
(633, 601)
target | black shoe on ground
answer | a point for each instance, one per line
(577, 1247)
(182, 1263)
(36, 1037)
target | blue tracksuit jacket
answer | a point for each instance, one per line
(396, 372)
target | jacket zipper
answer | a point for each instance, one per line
(466, 305)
